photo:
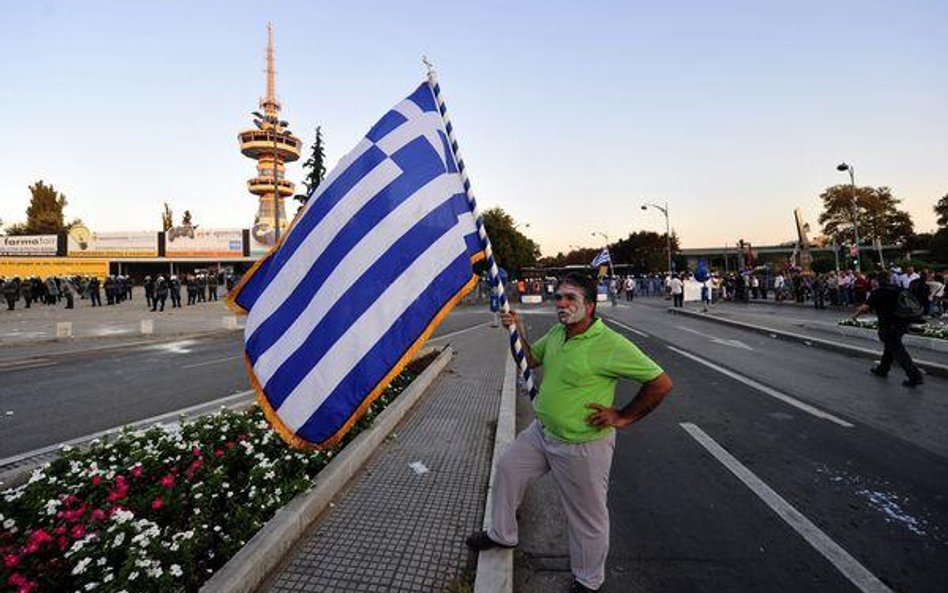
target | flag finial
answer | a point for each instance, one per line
(428, 64)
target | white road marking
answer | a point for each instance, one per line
(717, 340)
(627, 328)
(851, 568)
(460, 331)
(179, 347)
(163, 418)
(767, 390)
(207, 362)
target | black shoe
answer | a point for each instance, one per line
(913, 382)
(578, 587)
(480, 541)
(878, 372)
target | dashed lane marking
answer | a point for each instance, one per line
(851, 568)
(787, 399)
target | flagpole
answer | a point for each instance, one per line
(519, 353)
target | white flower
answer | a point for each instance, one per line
(81, 566)
(9, 523)
(217, 528)
(101, 561)
(133, 575)
(119, 539)
(123, 516)
(155, 573)
(176, 570)
(91, 586)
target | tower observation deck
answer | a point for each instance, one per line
(272, 145)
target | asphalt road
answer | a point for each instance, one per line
(49, 396)
(843, 477)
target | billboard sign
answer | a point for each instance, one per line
(28, 245)
(53, 266)
(191, 242)
(84, 243)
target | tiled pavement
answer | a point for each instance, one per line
(395, 530)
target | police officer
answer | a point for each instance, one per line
(11, 292)
(149, 285)
(94, 295)
(175, 292)
(161, 293)
(212, 286)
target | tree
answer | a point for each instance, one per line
(315, 167)
(646, 250)
(167, 220)
(877, 215)
(941, 209)
(512, 249)
(44, 215)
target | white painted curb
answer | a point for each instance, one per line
(495, 566)
(266, 550)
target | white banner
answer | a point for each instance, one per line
(134, 244)
(28, 245)
(184, 242)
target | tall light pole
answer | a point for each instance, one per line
(668, 240)
(606, 237)
(852, 184)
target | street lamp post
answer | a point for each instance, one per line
(668, 241)
(852, 184)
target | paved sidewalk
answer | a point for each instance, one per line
(397, 530)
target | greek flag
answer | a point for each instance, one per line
(378, 257)
(602, 258)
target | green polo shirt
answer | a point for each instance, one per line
(584, 370)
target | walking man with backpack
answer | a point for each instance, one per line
(895, 308)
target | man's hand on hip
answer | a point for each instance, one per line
(604, 416)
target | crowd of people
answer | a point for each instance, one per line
(846, 288)
(55, 290)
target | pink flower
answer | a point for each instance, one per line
(96, 480)
(77, 531)
(157, 503)
(63, 544)
(11, 560)
(98, 515)
(61, 530)
(137, 471)
(218, 452)
(230, 444)
(196, 452)
(167, 481)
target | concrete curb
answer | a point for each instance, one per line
(921, 342)
(932, 368)
(495, 566)
(265, 551)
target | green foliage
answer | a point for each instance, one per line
(647, 250)
(876, 210)
(939, 246)
(314, 166)
(512, 249)
(941, 209)
(44, 215)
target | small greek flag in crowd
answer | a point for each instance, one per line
(381, 253)
(602, 258)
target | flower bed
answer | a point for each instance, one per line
(158, 510)
(932, 329)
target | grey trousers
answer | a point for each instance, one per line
(581, 475)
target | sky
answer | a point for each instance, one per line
(569, 115)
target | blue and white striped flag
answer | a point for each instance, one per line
(602, 258)
(378, 257)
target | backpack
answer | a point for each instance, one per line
(907, 307)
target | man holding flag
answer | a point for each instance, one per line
(574, 433)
